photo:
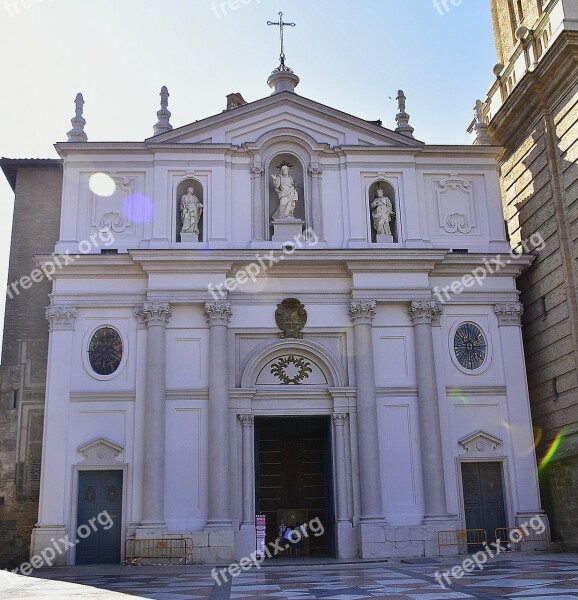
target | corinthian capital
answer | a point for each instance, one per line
(509, 314)
(362, 311)
(61, 316)
(218, 313)
(340, 419)
(154, 313)
(246, 420)
(425, 311)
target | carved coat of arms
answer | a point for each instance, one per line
(291, 318)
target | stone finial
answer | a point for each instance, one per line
(163, 124)
(402, 117)
(77, 134)
(482, 137)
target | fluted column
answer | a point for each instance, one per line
(422, 313)
(218, 316)
(362, 314)
(156, 316)
(247, 469)
(339, 420)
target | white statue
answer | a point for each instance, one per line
(287, 192)
(191, 211)
(383, 213)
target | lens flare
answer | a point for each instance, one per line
(102, 184)
(551, 451)
(139, 208)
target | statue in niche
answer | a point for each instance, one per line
(287, 191)
(383, 213)
(191, 211)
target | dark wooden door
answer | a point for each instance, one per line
(484, 497)
(294, 471)
(99, 491)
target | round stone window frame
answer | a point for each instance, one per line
(86, 347)
(487, 359)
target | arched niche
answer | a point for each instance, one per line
(379, 209)
(297, 171)
(198, 193)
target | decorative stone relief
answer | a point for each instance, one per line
(509, 314)
(425, 311)
(455, 199)
(291, 370)
(291, 318)
(153, 313)
(100, 452)
(340, 419)
(480, 443)
(362, 311)
(61, 316)
(112, 221)
(218, 313)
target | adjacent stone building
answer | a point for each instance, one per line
(532, 111)
(37, 185)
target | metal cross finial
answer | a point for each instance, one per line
(281, 24)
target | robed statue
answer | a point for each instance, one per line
(288, 194)
(191, 211)
(383, 213)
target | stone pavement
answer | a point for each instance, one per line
(514, 577)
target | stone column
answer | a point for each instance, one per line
(156, 316)
(257, 173)
(339, 420)
(362, 314)
(526, 493)
(422, 313)
(53, 509)
(218, 316)
(247, 517)
(316, 213)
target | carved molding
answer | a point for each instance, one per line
(218, 313)
(61, 316)
(112, 221)
(153, 313)
(455, 198)
(509, 313)
(246, 420)
(100, 451)
(340, 419)
(362, 311)
(425, 311)
(481, 443)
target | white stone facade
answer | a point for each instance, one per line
(177, 416)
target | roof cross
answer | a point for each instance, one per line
(281, 24)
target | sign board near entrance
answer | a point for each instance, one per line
(261, 526)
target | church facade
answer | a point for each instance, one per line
(282, 310)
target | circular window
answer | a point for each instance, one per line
(470, 346)
(105, 351)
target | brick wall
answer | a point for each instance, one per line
(23, 371)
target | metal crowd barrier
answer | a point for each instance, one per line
(462, 538)
(158, 551)
(516, 536)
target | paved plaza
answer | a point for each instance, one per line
(519, 577)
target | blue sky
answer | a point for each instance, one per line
(350, 55)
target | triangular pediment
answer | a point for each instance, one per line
(247, 124)
(100, 451)
(481, 443)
